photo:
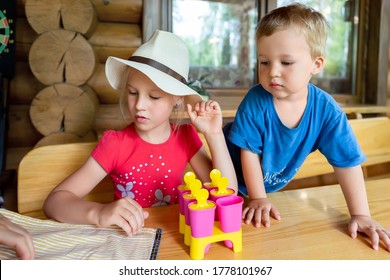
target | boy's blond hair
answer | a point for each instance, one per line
(305, 20)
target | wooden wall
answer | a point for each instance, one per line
(116, 31)
(388, 82)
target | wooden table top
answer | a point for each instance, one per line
(313, 226)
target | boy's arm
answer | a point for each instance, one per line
(259, 208)
(352, 184)
(253, 175)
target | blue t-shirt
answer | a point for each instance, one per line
(282, 150)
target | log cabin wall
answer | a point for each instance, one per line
(388, 82)
(117, 31)
(39, 110)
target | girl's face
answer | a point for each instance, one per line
(149, 107)
(285, 64)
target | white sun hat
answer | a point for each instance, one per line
(164, 59)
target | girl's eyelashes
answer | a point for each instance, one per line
(153, 97)
(285, 63)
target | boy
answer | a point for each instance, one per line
(284, 118)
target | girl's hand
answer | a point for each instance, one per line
(16, 237)
(259, 210)
(371, 228)
(125, 213)
(206, 116)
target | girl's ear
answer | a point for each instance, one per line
(318, 65)
(179, 101)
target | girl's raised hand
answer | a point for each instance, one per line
(206, 116)
(125, 213)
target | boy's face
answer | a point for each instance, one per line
(285, 64)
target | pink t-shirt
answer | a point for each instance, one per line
(148, 173)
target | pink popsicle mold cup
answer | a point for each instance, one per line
(181, 200)
(189, 178)
(230, 213)
(202, 220)
(209, 186)
(187, 199)
(215, 196)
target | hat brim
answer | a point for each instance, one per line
(116, 69)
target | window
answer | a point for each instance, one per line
(220, 36)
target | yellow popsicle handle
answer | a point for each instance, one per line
(201, 197)
(195, 186)
(215, 175)
(222, 185)
(189, 177)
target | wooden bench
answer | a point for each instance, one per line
(45, 167)
(373, 135)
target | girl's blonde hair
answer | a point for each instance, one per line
(305, 20)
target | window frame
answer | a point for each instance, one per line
(370, 68)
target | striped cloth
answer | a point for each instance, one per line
(61, 241)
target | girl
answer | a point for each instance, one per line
(147, 159)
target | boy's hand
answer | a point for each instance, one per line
(125, 213)
(371, 228)
(259, 210)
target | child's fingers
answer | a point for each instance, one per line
(23, 244)
(275, 214)
(131, 222)
(244, 212)
(374, 237)
(384, 235)
(352, 229)
(265, 217)
(248, 215)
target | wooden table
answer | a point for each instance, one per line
(313, 226)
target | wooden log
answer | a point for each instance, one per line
(388, 82)
(109, 39)
(58, 138)
(24, 86)
(129, 11)
(63, 108)
(62, 56)
(98, 82)
(115, 39)
(109, 117)
(21, 132)
(65, 138)
(24, 37)
(73, 15)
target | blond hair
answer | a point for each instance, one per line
(310, 23)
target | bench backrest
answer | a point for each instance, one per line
(373, 135)
(45, 167)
